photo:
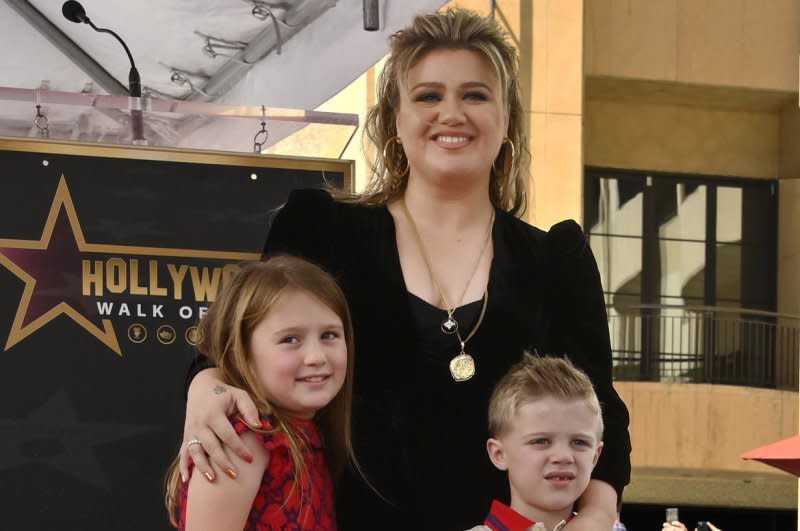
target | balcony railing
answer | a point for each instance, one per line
(705, 344)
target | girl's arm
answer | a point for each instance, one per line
(597, 508)
(209, 404)
(226, 503)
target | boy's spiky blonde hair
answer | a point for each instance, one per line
(535, 377)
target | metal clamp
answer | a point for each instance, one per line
(41, 122)
(262, 135)
(215, 46)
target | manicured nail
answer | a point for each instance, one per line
(183, 477)
(248, 458)
(256, 423)
(209, 476)
(231, 474)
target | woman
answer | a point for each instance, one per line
(447, 288)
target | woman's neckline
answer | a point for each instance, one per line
(433, 306)
(399, 269)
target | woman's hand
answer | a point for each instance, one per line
(597, 508)
(673, 526)
(207, 432)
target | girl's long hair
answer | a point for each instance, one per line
(224, 335)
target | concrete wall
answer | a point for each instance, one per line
(693, 434)
(741, 43)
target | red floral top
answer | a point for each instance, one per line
(309, 507)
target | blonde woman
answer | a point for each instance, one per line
(447, 286)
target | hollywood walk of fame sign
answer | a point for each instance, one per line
(108, 258)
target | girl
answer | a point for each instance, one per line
(281, 330)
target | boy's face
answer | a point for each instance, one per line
(549, 452)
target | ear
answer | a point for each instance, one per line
(597, 453)
(494, 447)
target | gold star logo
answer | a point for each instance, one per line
(50, 267)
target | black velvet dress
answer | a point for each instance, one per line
(419, 435)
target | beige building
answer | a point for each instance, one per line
(671, 129)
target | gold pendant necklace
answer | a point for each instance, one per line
(462, 366)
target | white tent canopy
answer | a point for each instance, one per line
(248, 53)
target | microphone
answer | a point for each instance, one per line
(371, 15)
(74, 12)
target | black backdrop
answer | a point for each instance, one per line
(91, 405)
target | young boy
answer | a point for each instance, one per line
(546, 431)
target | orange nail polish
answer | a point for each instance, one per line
(231, 474)
(209, 476)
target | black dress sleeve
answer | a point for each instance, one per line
(581, 332)
(199, 363)
(303, 227)
(306, 226)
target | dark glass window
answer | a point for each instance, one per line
(685, 260)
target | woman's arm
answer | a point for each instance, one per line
(225, 504)
(581, 332)
(597, 508)
(209, 404)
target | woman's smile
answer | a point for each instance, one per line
(452, 119)
(450, 141)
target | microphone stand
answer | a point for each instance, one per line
(134, 89)
(74, 12)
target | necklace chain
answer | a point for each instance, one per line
(462, 366)
(450, 309)
(477, 323)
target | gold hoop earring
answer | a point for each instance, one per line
(513, 150)
(508, 165)
(397, 176)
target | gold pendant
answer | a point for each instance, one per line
(462, 367)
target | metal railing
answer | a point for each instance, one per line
(705, 344)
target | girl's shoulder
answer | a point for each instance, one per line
(272, 437)
(268, 436)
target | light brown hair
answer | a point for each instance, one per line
(533, 378)
(224, 335)
(452, 29)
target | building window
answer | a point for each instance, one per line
(688, 265)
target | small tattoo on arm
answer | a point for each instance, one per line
(219, 389)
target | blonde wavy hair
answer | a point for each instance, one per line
(224, 335)
(452, 29)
